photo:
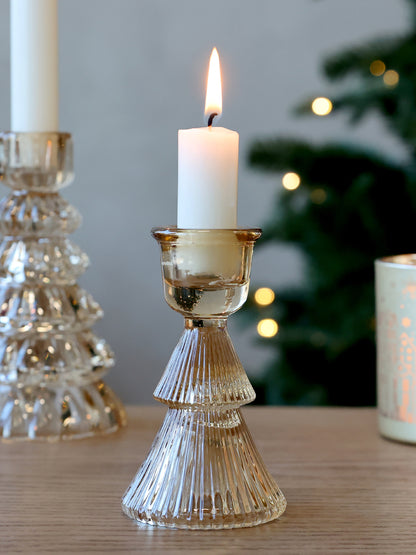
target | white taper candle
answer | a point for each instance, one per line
(34, 65)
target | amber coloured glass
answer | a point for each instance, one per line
(203, 470)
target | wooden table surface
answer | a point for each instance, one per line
(348, 490)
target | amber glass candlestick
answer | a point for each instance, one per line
(203, 470)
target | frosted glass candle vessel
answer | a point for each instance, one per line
(396, 346)
(203, 470)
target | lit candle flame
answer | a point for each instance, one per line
(213, 99)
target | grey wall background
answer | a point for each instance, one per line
(131, 74)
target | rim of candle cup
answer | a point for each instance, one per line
(170, 233)
(398, 260)
(65, 134)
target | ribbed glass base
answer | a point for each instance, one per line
(64, 412)
(203, 472)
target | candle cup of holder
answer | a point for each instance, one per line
(51, 363)
(203, 470)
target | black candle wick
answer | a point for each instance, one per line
(211, 118)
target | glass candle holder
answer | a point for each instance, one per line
(396, 346)
(203, 470)
(51, 363)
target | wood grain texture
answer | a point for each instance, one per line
(348, 490)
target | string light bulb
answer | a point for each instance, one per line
(321, 106)
(264, 296)
(318, 196)
(391, 78)
(291, 181)
(377, 68)
(267, 327)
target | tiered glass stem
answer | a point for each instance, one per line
(51, 363)
(203, 470)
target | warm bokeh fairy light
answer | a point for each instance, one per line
(391, 78)
(264, 296)
(318, 196)
(377, 68)
(213, 99)
(321, 106)
(267, 327)
(291, 181)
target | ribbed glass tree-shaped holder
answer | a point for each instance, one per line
(51, 364)
(203, 470)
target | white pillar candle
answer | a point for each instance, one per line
(207, 178)
(34, 65)
(208, 167)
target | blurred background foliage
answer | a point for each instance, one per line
(343, 206)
